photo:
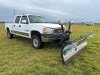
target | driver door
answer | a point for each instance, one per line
(24, 26)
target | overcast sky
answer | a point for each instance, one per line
(67, 10)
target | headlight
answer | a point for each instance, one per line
(48, 30)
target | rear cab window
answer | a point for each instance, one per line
(17, 19)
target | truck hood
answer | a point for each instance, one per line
(51, 25)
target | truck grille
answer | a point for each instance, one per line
(57, 31)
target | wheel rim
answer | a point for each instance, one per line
(35, 42)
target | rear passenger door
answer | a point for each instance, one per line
(15, 27)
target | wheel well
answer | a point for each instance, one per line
(35, 33)
(7, 29)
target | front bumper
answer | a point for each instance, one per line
(51, 37)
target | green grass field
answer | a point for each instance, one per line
(17, 57)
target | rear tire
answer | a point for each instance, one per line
(9, 35)
(36, 42)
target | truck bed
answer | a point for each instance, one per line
(8, 25)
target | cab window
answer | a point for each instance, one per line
(17, 19)
(24, 20)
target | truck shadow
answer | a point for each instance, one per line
(28, 43)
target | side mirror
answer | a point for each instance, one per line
(24, 22)
(60, 22)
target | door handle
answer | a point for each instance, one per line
(19, 25)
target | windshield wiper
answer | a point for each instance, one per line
(45, 22)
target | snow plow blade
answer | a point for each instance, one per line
(74, 48)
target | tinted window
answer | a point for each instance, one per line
(24, 18)
(17, 19)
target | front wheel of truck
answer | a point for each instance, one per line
(36, 42)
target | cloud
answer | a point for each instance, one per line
(78, 10)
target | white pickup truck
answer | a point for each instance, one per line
(33, 27)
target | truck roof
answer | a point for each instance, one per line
(27, 15)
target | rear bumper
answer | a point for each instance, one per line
(50, 37)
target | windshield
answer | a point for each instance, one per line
(37, 19)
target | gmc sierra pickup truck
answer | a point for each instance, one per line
(36, 28)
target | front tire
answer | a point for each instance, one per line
(36, 42)
(9, 35)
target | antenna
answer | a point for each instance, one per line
(31, 11)
(14, 12)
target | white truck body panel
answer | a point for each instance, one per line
(48, 25)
